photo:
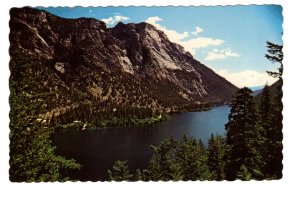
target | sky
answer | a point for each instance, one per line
(231, 40)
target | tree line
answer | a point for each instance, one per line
(250, 149)
(32, 153)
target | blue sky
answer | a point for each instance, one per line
(230, 40)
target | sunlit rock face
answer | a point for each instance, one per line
(86, 54)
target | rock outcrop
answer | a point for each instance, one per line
(129, 64)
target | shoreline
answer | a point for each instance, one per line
(126, 122)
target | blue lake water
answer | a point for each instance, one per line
(97, 149)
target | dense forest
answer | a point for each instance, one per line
(32, 154)
(40, 103)
(251, 148)
(78, 73)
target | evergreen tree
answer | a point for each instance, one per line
(138, 175)
(244, 174)
(192, 159)
(265, 113)
(277, 136)
(185, 159)
(243, 137)
(162, 165)
(271, 121)
(271, 113)
(275, 55)
(32, 154)
(215, 157)
(120, 172)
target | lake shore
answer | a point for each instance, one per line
(124, 122)
(98, 148)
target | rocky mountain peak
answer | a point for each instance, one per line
(84, 50)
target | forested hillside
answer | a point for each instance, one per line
(251, 149)
(77, 73)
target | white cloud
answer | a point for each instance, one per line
(248, 78)
(198, 30)
(220, 54)
(172, 35)
(153, 20)
(109, 20)
(113, 20)
(190, 45)
(121, 18)
(200, 42)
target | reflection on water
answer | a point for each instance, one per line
(97, 149)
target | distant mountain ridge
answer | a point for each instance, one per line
(257, 92)
(275, 89)
(129, 66)
(258, 89)
(253, 88)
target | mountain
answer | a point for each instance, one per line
(253, 88)
(275, 91)
(81, 68)
(257, 92)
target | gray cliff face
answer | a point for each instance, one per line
(84, 52)
(151, 53)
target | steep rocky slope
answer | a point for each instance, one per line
(69, 65)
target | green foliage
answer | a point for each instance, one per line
(244, 174)
(275, 55)
(270, 107)
(192, 159)
(243, 136)
(175, 160)
(32, 155)
(162, 165)
(114, 121)
(252, 148)
(215, 157)
(138, 175)
(120, 172)
(254, 135)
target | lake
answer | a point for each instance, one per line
(97, 149)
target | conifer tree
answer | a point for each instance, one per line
(275, 55)
(243, 137)
(244, 174)
(120, 172)
(215, 157)
(270, 107)
(138, 176)
(192, 159)
(265, 114)
(161, 166)
(273, 120)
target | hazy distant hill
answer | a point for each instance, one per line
(275, 90)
